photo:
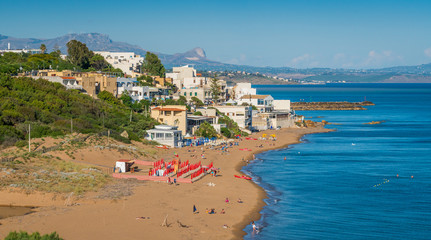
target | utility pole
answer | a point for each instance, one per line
(29, 137)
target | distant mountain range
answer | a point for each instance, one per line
(198, 58)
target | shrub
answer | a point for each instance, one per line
(206, 130)
(226, 132)
(21, 143)
(34, 236)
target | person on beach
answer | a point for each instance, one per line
(195, 211)
(254, 226)
(239, 200)
(227, 200)
(222, 211)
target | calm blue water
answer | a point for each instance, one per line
(328, 188)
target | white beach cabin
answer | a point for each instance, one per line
(166, 135)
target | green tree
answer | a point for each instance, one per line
(79, 54)
(145, 80)
(43, 48)
(206, 130)
(126, 99)
(215, 89)
(98, 62)
(153, 66)
(107, 96)
(197, 102)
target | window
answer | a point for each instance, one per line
(196, 93)
(191, 93)
(185, 94)
(168, 135)
(159, 135)
(152, 135)
(260, 102)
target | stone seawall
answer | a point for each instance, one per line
(307, 106)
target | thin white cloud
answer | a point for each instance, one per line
(428, 52)
(304, 61)
(378, 59)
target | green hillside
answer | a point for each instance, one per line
(49, 108)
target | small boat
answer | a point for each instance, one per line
(243, 177)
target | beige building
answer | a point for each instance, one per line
(271, 120)
(97, 83)
(174, 115)
(239, 114)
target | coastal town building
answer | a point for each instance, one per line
(241, 89)
(128, 62)
(262, 102)
(272, 120)
(96, 83)
(166, 135)
(281, 105)
(242, 115)
(174, 115)
(178, 75)
(68, 82)
(193, 122)
(131, 87)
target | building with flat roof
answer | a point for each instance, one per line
(262, 102)
(174, 115)
(242, 115)
(166, 135)
(130, 85)
(241, 89)
(128, 62)
(68, 82)
(281, 105)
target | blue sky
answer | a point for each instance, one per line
(301, 33)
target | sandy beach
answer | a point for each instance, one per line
(140, 214)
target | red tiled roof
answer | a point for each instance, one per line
(68, 77)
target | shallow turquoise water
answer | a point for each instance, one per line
(344, 184)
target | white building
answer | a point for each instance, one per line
(130, 85)
(128, 62)
(241, 89)
(31, 51)
(242, 115)
(281, 105)
(166, 135)
(180, 73)
(262, 102)
(68, 82)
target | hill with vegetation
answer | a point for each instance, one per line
(52, 110)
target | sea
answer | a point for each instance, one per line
(359, 182)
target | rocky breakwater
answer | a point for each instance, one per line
(309, 106)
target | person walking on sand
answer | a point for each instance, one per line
(254, 226)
